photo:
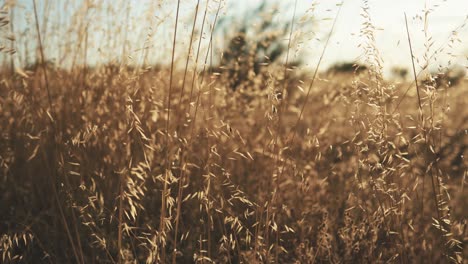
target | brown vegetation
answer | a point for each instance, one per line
(115, 164)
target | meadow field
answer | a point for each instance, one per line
(226, 153)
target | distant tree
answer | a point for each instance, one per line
(49, 64)
(399, 72)
(447, 78)
(258, 41)
(347, 67)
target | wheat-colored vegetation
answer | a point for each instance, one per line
(239, 156)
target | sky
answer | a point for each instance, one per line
(156, 18)
(391, 38)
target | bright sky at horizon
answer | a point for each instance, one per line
(391, 37)
(387, 17)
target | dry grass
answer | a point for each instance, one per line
(134, 164)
